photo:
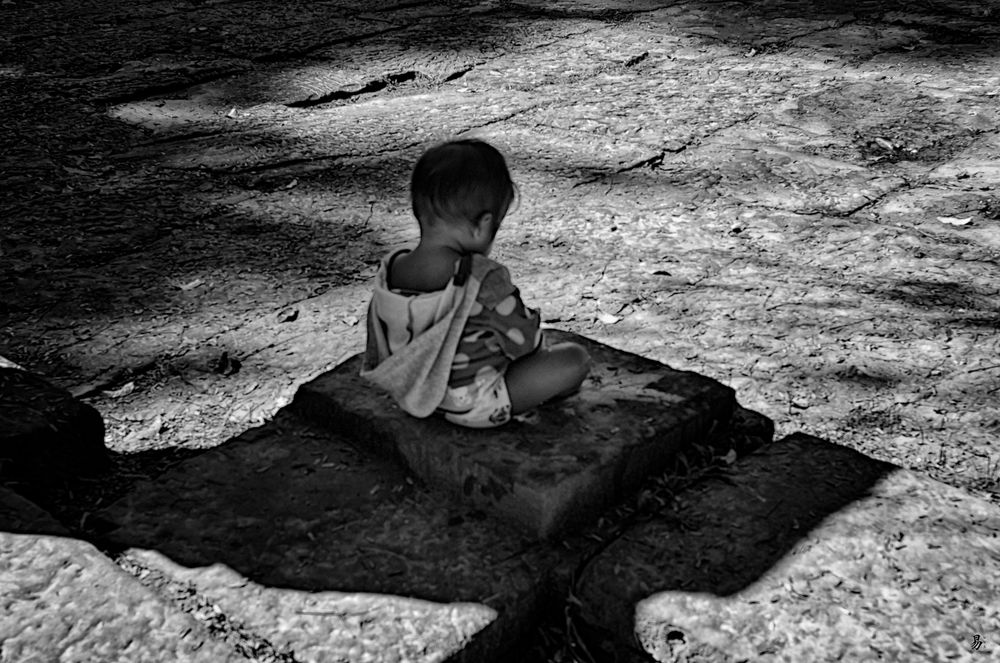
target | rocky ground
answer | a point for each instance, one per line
(799, 199)
(795, 198)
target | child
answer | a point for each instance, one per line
(447, 330)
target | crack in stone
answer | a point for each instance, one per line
(377, 85)
(633, 61)
(657, 159)
(369, 88)
(652, 163)
(749, 117)
(373, 86)
(870, 202)
(504, 118)
(455, 75)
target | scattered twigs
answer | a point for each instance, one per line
(977, 369)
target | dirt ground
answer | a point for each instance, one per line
(798, 199)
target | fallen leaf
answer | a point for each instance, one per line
(124, 390)
(607, 318)
(955, 221)
(190, 285)
(153, 429)
(530, 417)
(78, 171)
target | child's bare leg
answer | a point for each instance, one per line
(554, 371)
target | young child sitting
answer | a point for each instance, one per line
(447, 330)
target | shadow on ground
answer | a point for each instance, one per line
(289, 506)
(726, 533)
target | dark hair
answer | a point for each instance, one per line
(459, 181)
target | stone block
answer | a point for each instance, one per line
(62, 600)
(555, 469)
(806, 550)
(46, 433)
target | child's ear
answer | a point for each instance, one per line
(484, 224)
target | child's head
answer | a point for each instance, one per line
(458, 182)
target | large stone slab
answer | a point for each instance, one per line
(558, 468)
(333, 553)
(333, 626)
(44, 431)
(806, 550)
(63, 600)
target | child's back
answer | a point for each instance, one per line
(446, 308)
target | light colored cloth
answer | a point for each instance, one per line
(482, 404)
(415, 369)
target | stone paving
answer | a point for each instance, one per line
(308, 542)
(296, 541)
(309, 547)
(290, 506)
(64, 600)
(806, 551)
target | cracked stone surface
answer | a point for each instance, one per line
(316, 627)
(563, 466)
(805, 550)
(63, 600)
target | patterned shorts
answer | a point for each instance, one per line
(483, 404)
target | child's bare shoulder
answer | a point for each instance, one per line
(419, 273)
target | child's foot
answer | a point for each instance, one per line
(531, 417)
